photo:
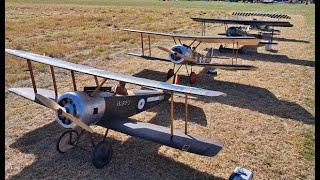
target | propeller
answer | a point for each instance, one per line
(186, 58)
(62, 111)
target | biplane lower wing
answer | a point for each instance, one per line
(29, 94)
(152, 58)
(161, 135)
(216, 65)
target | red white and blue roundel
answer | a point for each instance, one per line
(141, 104)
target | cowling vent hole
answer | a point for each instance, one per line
(95, 110)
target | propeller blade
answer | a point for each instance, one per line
(48, 102)
(61, 110)
(76, 121)
(186, 58)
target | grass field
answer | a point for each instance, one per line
(266, 122)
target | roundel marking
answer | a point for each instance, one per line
(141, 103)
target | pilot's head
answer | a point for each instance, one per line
(122, 84)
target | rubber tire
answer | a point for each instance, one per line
(193, 78)
(101, 154)
(62, 136)
(221, 48)
(177, 79)
(170, 73)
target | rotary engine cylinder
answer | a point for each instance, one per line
(87, 109)
(179, 49)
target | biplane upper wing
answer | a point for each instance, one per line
(244, 22)
(112, 75)
(205, 39)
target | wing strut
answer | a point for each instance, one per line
(237, 52)
(98, 87)
(142, 49)
(171, 115)
(186, 117)
(32, 77)
(54, 82)
(149, 46)
(73, 81)
(174, 40)
(192, 42)
(96, 80)
(203, 33)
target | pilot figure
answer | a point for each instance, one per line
(120, 89)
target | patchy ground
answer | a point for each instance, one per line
(266, 122)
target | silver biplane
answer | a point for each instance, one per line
(76, 110)
(186, 54)
(262, 27)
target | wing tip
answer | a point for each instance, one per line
(215, 93)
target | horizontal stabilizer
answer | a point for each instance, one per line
(161, 135)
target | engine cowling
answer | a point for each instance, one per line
(86, 108)
(179, 49)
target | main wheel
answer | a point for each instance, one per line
(170, 73)
(67, 140)
(177, 79)
(221, 48)
(101, 154)
(193, 78)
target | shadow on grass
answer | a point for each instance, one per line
(289, 40)
(251, 54)
(133, 159)
(242, 96)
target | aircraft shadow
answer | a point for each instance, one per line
(289, 40)
(242, 96)
(133, 159)
(252, 54)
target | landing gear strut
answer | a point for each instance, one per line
(101, 153)
(170, 73)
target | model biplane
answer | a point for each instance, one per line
(262, 26)
(187, 54)
(111, 108)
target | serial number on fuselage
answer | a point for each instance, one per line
(123, 103)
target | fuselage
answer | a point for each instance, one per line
(107, 106)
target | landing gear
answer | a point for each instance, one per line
(221, 48)
(193, 78)
(67, 141)
(170, 73)
(101, 153)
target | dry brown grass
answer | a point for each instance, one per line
(266, 121)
